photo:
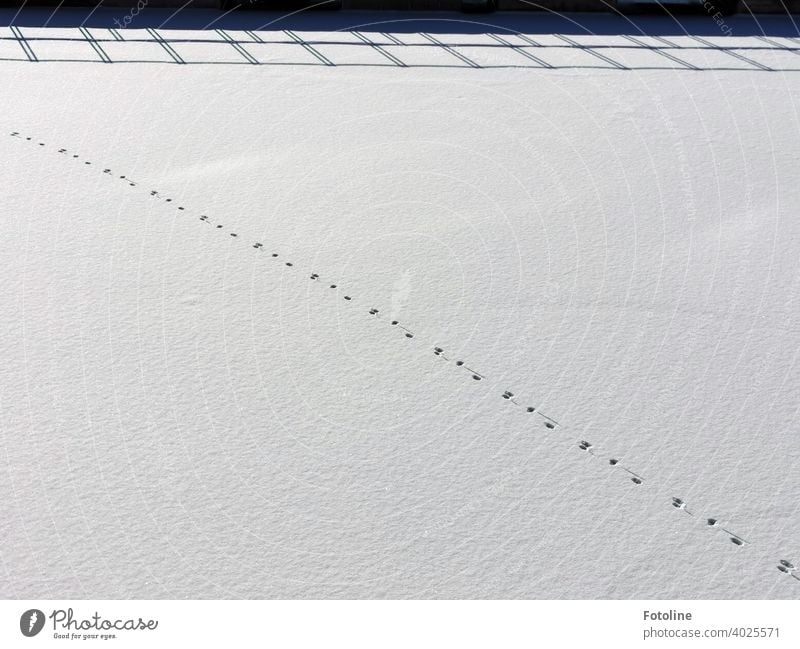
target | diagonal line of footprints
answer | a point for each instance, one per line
(785, 566)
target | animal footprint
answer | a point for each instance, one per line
(733, 538)
(408, 334)
(509, 396)
(788, 568)
(635, 478)
(475, 375)
(679, 504)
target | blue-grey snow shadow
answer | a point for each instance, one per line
(408, 22)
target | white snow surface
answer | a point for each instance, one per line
(185, 416)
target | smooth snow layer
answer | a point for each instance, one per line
(185, 415)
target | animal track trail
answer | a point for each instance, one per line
(714, 524)
(676, 502)
(508, 396)
(548, 422)
(611, 461)
(476, 376)
(711, 522)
